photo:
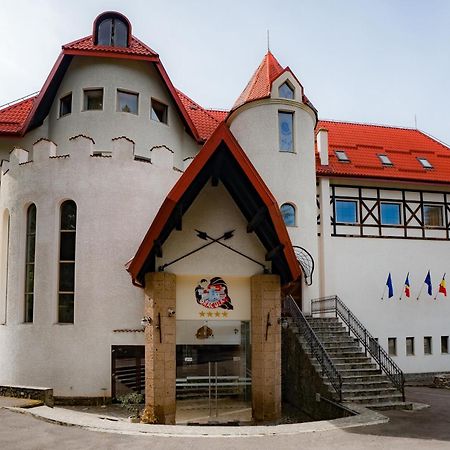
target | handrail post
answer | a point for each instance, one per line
(335, 307)
(365, 341)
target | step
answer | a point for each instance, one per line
(358, 372)
(350, 393)
(364, 385)
(368, 378)
(355, 365)
(389, 406)
(350, 353)
(377, 399)
(338, 340)
(356, 358)
(331, 334)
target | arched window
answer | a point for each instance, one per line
(112, 30)
(286, 91)
(288, 213)
(30, 263)
(67, 239)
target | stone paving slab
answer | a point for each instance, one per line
(114, 425)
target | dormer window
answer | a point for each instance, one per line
(342, 156)
(385, 160)
(425, 163)
(286, 91)
(112, 30)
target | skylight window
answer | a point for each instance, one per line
(342, 156)
(385, 160)
(425, 163)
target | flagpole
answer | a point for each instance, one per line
(420, 292)
(384, 292)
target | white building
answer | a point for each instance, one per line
(87, 167)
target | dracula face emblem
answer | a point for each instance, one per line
(213, 294)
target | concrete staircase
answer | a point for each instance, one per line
(363, 382)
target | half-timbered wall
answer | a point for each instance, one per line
(413, 205)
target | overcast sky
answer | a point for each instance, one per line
(377, 61)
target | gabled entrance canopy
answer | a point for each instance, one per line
(221, 160)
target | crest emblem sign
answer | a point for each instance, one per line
(213, 293)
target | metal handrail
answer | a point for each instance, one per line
(313, 342)
(335, 305)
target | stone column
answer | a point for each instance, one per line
(266, 353)
(160, 350)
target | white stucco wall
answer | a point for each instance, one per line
(356, 270)
(102, 126)
(290, 176)
(117, 199)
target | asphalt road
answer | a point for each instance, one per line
(425, 429)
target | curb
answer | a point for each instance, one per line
(106, 424)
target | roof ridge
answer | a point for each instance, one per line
(17, 102)
(368, 124)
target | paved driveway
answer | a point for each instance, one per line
(426, 429)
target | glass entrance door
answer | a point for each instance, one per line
(214, 379)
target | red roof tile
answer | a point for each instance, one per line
(13, 117)
(363, 143)
(86, 44)
(260, 83)
(205, 121)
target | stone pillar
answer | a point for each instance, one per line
(266, 353)
(160, 349)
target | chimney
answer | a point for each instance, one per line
(322, 146)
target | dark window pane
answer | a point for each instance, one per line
(29, 278)
(104, 32)
(285, 123)
(29, 308)
(68, 215)
(127, 102)
(93, 99)
(288, 213)
(66, 277)
(285, 91)
(120, 34)
(31, 219)
(67, 246)
(65, 308)
(432, 215)
(31, 248)
(346, 211)
(158, 111)
(390, 214)
(65, 105)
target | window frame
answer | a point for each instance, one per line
(61, 100)
(342, 156)
(165, 112)
(30, 264)
(412, 350)
(127, 92)
(85, 98)
(355, 202)
(444, 345)
(292, 89)
(66, 262)
(441, 215)
(294, 211)
(290, 114)
(393, 341)
(425, 163)
(111, 36)
(399, 208)
(385, 162)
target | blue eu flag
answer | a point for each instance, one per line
(428, 283)
(390, 286)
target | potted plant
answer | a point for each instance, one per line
(132, 403)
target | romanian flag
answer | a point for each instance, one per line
(443, 286)
(407, 287)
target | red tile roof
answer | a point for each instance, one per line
(205, 121)
(363, 143)
(260, 83)
(86, 44)
(13, 117)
